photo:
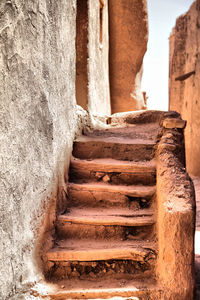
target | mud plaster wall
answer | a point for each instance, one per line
(175, 219)
(38, 121)
(82, 53)
(128, 32)
(98, 66)
(185, 90)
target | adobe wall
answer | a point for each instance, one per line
(175, 216)
(39, 118)
(92, 46)
(128, 32)
(38, 122)
(98, 65)
(184, 80)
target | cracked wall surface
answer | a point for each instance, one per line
(38, 121)
(184, 83)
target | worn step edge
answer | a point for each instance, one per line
(132, 191)
(125, 253)
(135, 290)
(108, 220)
(114, 140)
(107, 165)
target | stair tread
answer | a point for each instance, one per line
(131, 190)
(102, 216)
(148, 130)
(115, 140)
(113, 165)
(101, 289)
(76, 250)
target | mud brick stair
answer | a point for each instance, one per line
(108, 231)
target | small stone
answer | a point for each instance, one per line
(62, 286)
(171, 123)
(99, 175)
(113, 265)
(75, 274)
(92, 275)
(110, 272)
(165, 146)
(106, 178)
(144, 200)
(50, 264)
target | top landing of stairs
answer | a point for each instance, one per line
(128, 142)
(125, 133)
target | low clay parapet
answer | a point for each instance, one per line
(175, 219)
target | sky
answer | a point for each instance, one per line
(162, 18)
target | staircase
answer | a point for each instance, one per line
(106, 241)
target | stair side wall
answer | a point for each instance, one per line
(175, 219)
(38, 123)
(184, 80)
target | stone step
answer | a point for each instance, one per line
(103, 289)
(76, 259)
(113, 147)
(106, 224)
(106, 195)
(112, 171)
(101, 252)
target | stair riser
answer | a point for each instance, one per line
(80, 231)
(96, 149)
(123, 269)
(84, 176)
(91, 199)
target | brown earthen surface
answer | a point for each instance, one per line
(196, 181)
(108, 229)
(184, 80)
(97, 242)
(176, 218)
(128, 31)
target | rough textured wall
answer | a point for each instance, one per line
(37, 104)
(98, 67)
(184, 80)
(175, 217)
(82, 53)
(128, 30)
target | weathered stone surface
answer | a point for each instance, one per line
(174, 123)
(128, 31)
(176, 221)
(184, 80)
(38, 120)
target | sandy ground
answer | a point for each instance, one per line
(197, 237)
